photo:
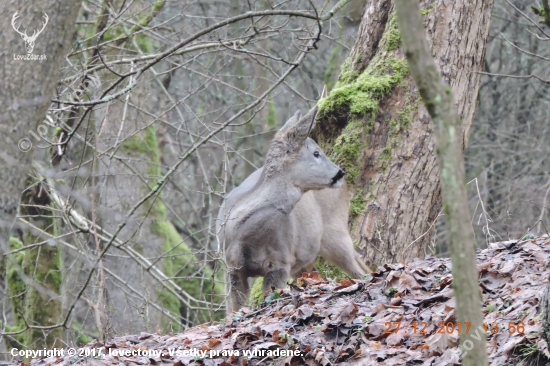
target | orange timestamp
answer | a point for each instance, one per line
(451, 327)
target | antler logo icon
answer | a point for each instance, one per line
(29, 40)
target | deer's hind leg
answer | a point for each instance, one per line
(337, 248)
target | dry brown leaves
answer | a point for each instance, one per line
(390, 318)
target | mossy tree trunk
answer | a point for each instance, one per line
(34, 276)
(126, 177)
(373, 124)
(42, 264)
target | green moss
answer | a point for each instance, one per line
(80, 338)
(16, 291)
(145, 144)
(404, 116)
(357, 203)
(391, 291)
(392, 37)
(158, 209)
(40, 309)
(355, 101)
(491, 308)
(113, 33)
(327, 270)
(43, 264)
(120, 33)
(174, 261)
(15, 244)
(386, 155)
(427, 10)
(362, 95)
(347, 74)
(347, 148)
(257, 292)
(184, 267)
(358, 102)
(146, 19)
(144, 43)
(396, 126)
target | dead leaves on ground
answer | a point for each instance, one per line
(394, 317)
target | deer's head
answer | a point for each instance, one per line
(29, 40)
(298, 158)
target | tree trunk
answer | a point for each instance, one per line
(545, 311)
(27, 87)
(375, 127)
(439, 102)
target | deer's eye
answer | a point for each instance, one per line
(316, 154)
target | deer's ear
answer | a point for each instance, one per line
(292, 135)
(292, 121)
(300, 130)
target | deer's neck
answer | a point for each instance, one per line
(278, 194)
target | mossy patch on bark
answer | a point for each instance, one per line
(120, 33)
(358, 102)
(16, 291)
(426, 11)
(396, 126)
(41, 264)
(353, 104)
(357, 203)
(392, 37)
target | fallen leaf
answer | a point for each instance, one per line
(376, 345)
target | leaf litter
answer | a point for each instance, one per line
(363, 322)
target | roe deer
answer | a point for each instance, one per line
(285, 214)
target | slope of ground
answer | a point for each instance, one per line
(400, 315)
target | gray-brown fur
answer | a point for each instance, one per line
(285, 214)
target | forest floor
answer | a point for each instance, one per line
(398, 315)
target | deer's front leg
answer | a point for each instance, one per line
(238, 293)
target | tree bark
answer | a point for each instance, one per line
(375, 127)
(27, 87)
(439, 101)
(25, 91)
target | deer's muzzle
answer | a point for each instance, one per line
(338, 176)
